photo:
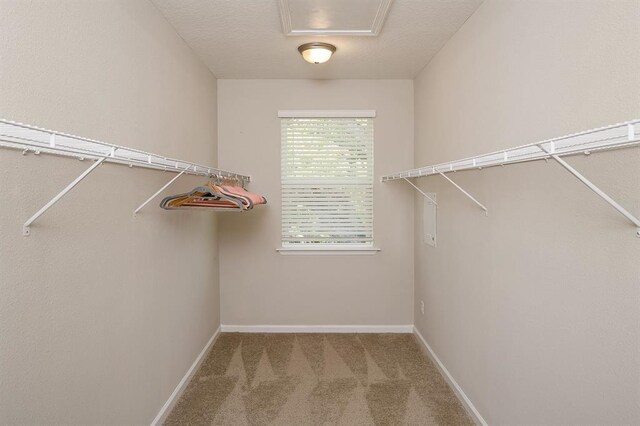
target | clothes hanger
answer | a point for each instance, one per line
(236, 189)
(232, 192)
(220, 193)
(201, 197)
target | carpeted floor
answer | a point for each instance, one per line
(317, 379)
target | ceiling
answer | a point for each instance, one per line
(251, 39)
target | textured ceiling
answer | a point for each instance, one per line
(244, 39)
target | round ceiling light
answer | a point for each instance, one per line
(316, 53)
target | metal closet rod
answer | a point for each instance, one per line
(34, 139)
(621, 135)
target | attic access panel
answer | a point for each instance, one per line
(333, 17)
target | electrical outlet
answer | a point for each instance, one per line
(422, 307)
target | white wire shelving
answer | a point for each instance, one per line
(32, 139)
(616, 136)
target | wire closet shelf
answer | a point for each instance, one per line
(37, 140)
(616, 136)
(605, 138)
(33, 139)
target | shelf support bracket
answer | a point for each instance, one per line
(26, 228)
(160, 190)
(597, 190)
(466, 193)
(420, 191)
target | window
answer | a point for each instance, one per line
(327, 180)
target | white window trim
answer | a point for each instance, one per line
(328, 113)
(328, 250)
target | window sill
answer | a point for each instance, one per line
(328, 251)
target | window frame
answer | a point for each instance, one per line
(329, 249)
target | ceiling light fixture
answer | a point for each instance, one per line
(316, 53)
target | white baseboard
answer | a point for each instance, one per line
(175, 395)
(408, 328)
(466, 402)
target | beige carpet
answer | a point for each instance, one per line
(317, 379)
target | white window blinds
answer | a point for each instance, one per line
(327, 182)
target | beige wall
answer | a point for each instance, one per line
(535, 308)
(259, 286)
(101, 314)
